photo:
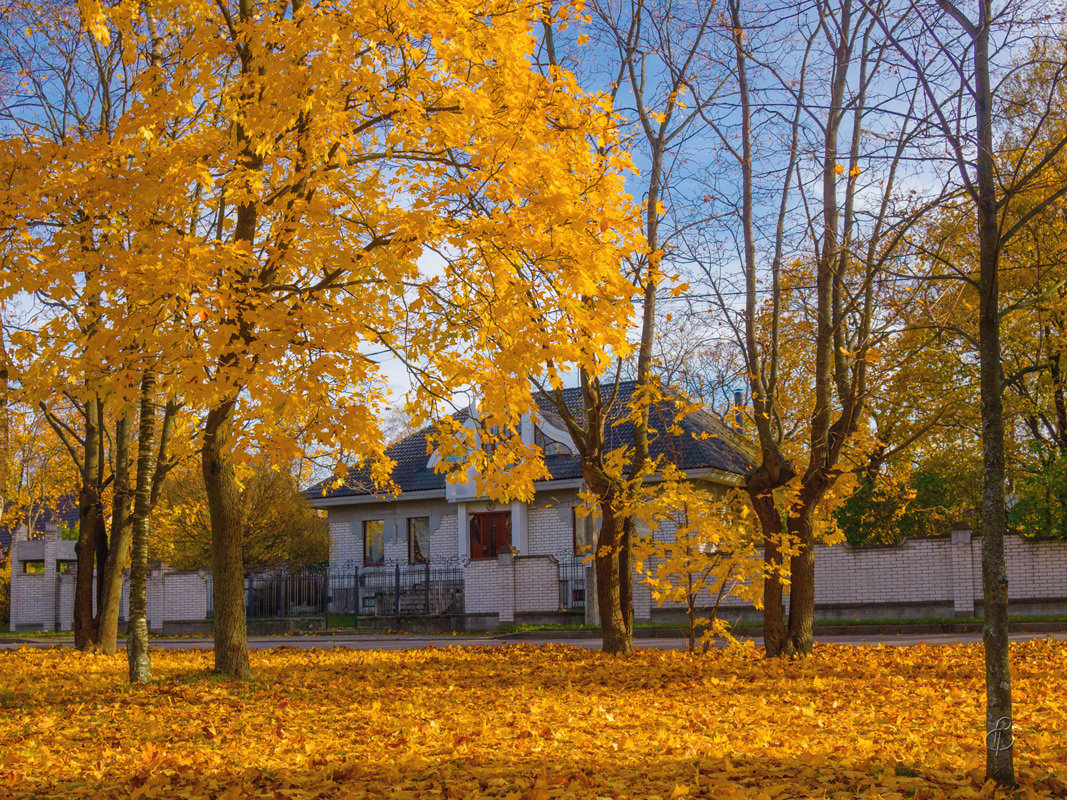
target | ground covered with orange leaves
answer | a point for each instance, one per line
(525, 722)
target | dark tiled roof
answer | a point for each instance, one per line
(703, 443)
(61, 511)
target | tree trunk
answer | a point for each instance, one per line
(774, 469)
(800, 638)
(612, 626)
(228, 589)
(999, 754)
(90, 527)
(691, 611)
(617, 639)
(626, 577)
(114, 569)
(137, 631)
(773, 612)
(102, 549)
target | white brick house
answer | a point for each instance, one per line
(515, 562)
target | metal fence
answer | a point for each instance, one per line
(397, 590)
(571, 585)
(286, 595)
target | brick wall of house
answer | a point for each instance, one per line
(444, 544)
(346, 531)
(551, 524)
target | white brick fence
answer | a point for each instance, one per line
(939, 577)
(943, 576)
(44, 600)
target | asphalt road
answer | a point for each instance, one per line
(409, 642)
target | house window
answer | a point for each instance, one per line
(34, 567)
(550, 447)
(490, 534)
(490, 440)
(373, 542)
(67, 566)
(578, 545)
(418, 540)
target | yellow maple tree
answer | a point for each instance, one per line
(291, 191)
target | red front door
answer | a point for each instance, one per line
(490, 533)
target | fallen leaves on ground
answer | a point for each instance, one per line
(526, 722)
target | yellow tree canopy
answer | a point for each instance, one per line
(419, 191)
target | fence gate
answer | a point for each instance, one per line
(397, 590)
(571, 585)
(284, 596)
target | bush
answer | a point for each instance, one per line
(926, 503)
(1040, 509)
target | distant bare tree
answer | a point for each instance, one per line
(820, 133)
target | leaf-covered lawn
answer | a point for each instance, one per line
(524, 722)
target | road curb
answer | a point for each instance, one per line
(820, 631)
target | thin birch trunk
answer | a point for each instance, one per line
(137, 654)
(1000, 765)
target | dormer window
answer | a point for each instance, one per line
(489, 446)
(550, 447)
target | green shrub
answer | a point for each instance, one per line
(1040, 509)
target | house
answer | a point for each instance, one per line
(436, 547)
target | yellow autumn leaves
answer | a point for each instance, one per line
(525, 722)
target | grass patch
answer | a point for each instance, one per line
(936, 620)
(510, 627)
(9, 634)
(341, 622)
(904, 771)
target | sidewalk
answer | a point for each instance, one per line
(667, 638)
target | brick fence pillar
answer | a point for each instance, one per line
(962, 570)
(506, 586)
